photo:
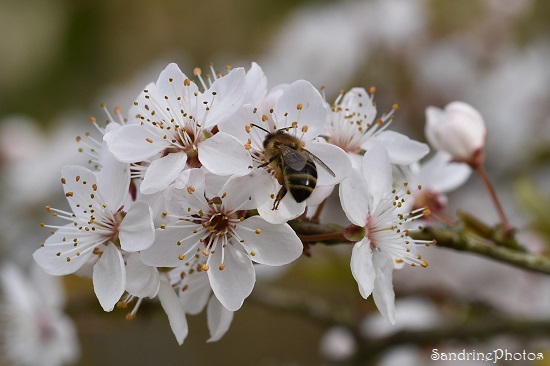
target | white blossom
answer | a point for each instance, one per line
(216, 228)
(371, 203)
(175, 128)
(35, 331)
(458, 130)
(101, 228)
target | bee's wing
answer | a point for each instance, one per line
(319, 162)
(292, 157)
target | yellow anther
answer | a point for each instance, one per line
(190, 189)
(258, 231)
(299, 106)
(205, 267)
(253, 253)
(181, 257)
(222, 267)
(149, 140)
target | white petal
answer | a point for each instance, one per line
(77, 186)
(354, 198)
(442, 175)
(223, 154)
(377, 172)
(362, 267)
(162, 172)
(235, 125)
(235, 282)
(136, 231)
(197, 289)
(169, 244)
(288, 209)
(359, 102)
(114, 181)
(334, 157)
(400, 148)
(229, 93)
(313, 113)
(383, 294)
(319, 194)
(256, 85)
(182, 199)
(109, 277)
(141, 280)
(219, 319)
(271, 244)
(131, 143)
(248, 192)
(171, 84)
(57, 265)
(173, 309)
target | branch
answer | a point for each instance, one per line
(472, 236)
(466, 242)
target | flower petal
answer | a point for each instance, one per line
(193, 288)
(136, 231)
(223, 154)
(141, 280)
(219, 319)
(377, 172)
(77, 185)
(267, 243)
(113, 181)
(52, 257)
(173, 309)
(223, 98)
(441, 174)
(247, 192)
(334, 157)
(354, 198)
(134, 143)
(383, 294)
(312, 112)
(235, 282)
(288, 209)
(170, 245)
(162, 172)
(256, 85)
(400, 148)
(362, 267)
(171, 83)
(109, 277)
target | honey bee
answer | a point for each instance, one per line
(293, 165)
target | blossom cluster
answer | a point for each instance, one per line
(198, 184)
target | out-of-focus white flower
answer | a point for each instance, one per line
(34, 331)
(458, 130)
(215, 228)
(352, 126)
(370, 202)
(174, 129)
(338, 344)
(298, 110)
(100, 229)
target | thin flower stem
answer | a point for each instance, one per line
(503, 220)
(322, 237)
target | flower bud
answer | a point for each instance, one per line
(458, 130)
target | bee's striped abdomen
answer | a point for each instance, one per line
(301, 183)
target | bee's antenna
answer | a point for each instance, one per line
(261, 128)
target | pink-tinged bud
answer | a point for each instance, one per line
(458, 130)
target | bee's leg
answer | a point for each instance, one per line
(280, 195)
(269, 161)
